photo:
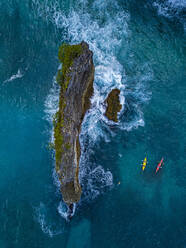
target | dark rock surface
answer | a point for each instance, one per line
(76, 80)
(113, 105)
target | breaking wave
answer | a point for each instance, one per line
(105, 31)
(63, 210)
(172, 9)
(51, 106)
(19, 74)
(51, 102)
(95, 180)
(109, 33)
(47, 226)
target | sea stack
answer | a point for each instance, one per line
(113, 105)
(76, 88)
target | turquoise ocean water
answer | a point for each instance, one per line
(138, 47)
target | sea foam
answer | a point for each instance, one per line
(19, 74)
(171, 9)
(47, 226)
(105, 33)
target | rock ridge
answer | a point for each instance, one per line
(76, 88)
(113, 105)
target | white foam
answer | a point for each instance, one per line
(170, 8)
(63, 210)
(104, 42)
(94, 179)
(51, 105)
(177, 3)
(55, 179)
(105, 35)
(41, 215)
(52, 100)
(15, 76)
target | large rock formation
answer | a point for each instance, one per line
(76, 81)
(113, 105)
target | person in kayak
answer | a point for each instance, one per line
(144, 164)
(160, 164)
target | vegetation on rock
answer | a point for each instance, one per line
(67, 54)
(76, 87)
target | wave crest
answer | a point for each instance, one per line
(105, 31)
(47, 226)
(19, 74)
(172, 9)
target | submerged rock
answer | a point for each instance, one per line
(113, 105)
(76, 81)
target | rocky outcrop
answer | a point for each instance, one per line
(113, 105)
(76, 81)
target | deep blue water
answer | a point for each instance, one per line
(138, 47)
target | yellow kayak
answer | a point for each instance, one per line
(144, 164)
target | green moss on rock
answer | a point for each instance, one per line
(76, 87)
(113, 105)
(67, 54)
